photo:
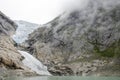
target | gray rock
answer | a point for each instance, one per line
(61, 70)
(7, 26)
(92, 30)
(96, 28)
(10, 58)
(1, 78)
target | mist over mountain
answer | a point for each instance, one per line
(82, 41)
(86, 32)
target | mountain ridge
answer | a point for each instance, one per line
(89, 33)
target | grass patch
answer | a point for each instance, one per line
(111, 51)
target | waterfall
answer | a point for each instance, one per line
(34, 64)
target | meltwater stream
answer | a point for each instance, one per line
(34, 64)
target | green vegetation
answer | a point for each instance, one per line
(111, 51)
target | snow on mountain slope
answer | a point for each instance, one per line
(23, 30)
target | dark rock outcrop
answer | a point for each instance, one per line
(61, 70)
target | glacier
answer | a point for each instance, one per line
(34, 64)
(23, 30)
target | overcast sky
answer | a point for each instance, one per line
(36, 11)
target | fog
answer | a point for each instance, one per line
(42, 11)
(36, 11)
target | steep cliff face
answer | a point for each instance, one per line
(86, 33)
(7, 26)
(10, 58)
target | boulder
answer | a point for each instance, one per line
(61, 70)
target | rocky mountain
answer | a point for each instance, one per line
(9, 56)
(87, 40)
(23, 30)
(7, 27)
(12, 63)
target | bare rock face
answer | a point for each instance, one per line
(92, 31)
(7, 26)
(10, 58)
